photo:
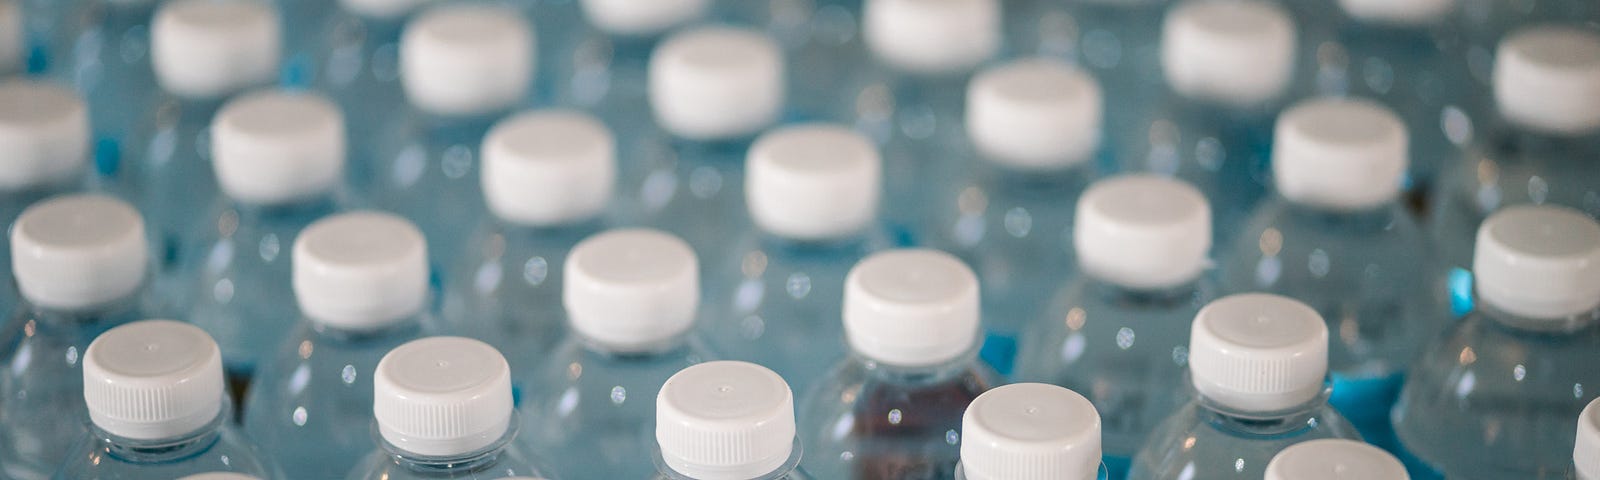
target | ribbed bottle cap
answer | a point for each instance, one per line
(1341, 154)
(44, 132)
(442, 396)
(275, 146)
(1234, 52)
(219, 476)
(1035, 114)
(1539, 262)
(911, 307)
(636, 18)
(549, 167)
(360, 270)
(11, 39)
(381, 8)
(813, 181)
(1258, 352)
(78, 251)
(1586, 450)
(153, 379)
(467, 59)
(631, 288)
(1399, 12)
(725, 421)
(932, 37)
(211, 48)
(1335, 459)
(1030, 431)
(716, 83)
(1548, 78)
(1143, 231)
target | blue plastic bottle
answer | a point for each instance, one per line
(631, 298)
(77, 280)
(726, 420)
(155, 394)
(1258, 363)
(47, 156)
(813, 195)
(1496, 396)
(547, 178)
(279, 160)
(1334, 459)
(1120, 330)
(361, 281)
(891, 409)
(1030, 431)
(443, 409)
(1335, 235)
(1033, 139)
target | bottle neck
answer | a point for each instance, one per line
(567, 232)
(1165, 298)
(790, 470)
(115, 310)
(946, 371)
(162, 450)
(477, 460)
(1373, 218)
(1269, 423)
(1549, 326)
(408, 326)
(307, 209)
(642, 352)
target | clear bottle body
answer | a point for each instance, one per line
(101, 49)
(692, 189)
(1205, 441)
(217, 447)
(1102, 474)
(168, 175)
(356, 63)
(790, 470)
(506, 457)
(426, 168)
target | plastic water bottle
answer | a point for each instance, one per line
(1538, 149)
(602, 67)
(80, 262)
(219, 476)
(813, 196)
(1120, 330)
(425, 159)
(155, 394)
(1228, 68)
(724, 421)
(822, 43)
(1495, 397)
(631, 298)
(13, 39)
(1033, 136)
(547, 178)
(443, 409)
(47, 148)
(892, 408)
(1335, 236)
(1258, 363)
(1335, 459)
(102, 49)
(1030, 431)
(1586, 446)
(279, 160)
(361, 281)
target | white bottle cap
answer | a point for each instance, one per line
(11, 39)
(1340, 154)
(1143, 231)
(442, 396)
(813, 181)
(725, 421)
(78, 251)
(548, 167)
(219, 476)
(1547, 78)
(1539, 262)
(911, 307)
(274, 147)
(210, 48)
(1030, 431)
(1239, 53)
(381, 8)
(1258, 352)
(44, 132)
(1586, 450)
(1398, 12)
(1035, 114)
(467, 59)
(153, 379)
(932, 37)
(636, 18)
(631, 288)
(360, 270)
(1335, 459)
(716, 83)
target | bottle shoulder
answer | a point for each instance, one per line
(220, 448)
(511, 458)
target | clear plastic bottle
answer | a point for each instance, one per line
(102, 50)
(155, 394)
(822, 42)
(361, 284)
(813, 196)
(80, 263)
(1586, 446)
(1538, 149)
(219, 476)
(1120, 330)
(279, 160)
(13, 39)
(726, 420)
(1496, 395)
(891, 409)
(443, 409)
(604, 69)
(1335, 459)
(1335, 235)
(1258, 363)
(46, 155)
(1030, 431)
(631, 298)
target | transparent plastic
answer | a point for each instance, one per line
(356, 63)
(426, 168)
(217, 447)
(789, 471)
(169, 179)
(1103, 474)
(506, 457)
(694, 190)
(1207, 441)
(102, 49)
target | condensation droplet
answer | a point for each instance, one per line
(1125, 338)
(348, 374)
(619, 395)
